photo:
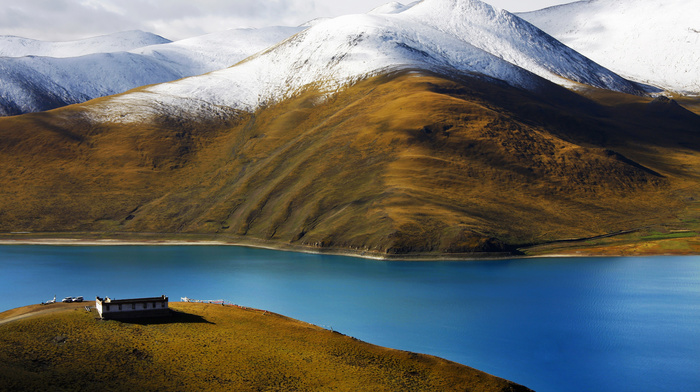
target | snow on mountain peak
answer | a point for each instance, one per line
(466, 36)
(328, 55)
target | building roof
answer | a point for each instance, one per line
(113, 301)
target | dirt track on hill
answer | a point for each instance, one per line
(39, 310)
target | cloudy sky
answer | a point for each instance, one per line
(60, 20)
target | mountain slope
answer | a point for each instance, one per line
(329, 55)
(401, 164)
(655, 42)
(37, 83)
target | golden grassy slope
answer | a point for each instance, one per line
(209, 348)
(404, 163)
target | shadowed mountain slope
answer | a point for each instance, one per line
(404, 163)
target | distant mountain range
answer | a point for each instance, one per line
(38, 75)
(441, 127)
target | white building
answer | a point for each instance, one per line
(109, 308)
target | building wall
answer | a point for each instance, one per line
(126, 309)
(132, 306)
(136, 314)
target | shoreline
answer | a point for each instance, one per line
(95, 239)
(54, 241)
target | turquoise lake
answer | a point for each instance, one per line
(552, 324)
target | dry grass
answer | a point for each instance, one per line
(399, 164)
(213, 347)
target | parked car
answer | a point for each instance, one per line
(67, 299)
(78, 299)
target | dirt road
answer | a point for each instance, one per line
(39, 310)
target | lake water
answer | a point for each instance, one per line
(585, 324)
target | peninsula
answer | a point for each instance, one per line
(209, 347)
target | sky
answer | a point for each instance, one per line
(62, 20)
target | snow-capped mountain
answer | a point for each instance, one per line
(44, 75)
(651, 41)
(464, 36)
(11, 46)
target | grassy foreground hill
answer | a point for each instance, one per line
(407, 163)
(207, 348)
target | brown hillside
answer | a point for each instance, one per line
(211, 348)
(405, 163)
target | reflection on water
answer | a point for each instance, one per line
(604, 324)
